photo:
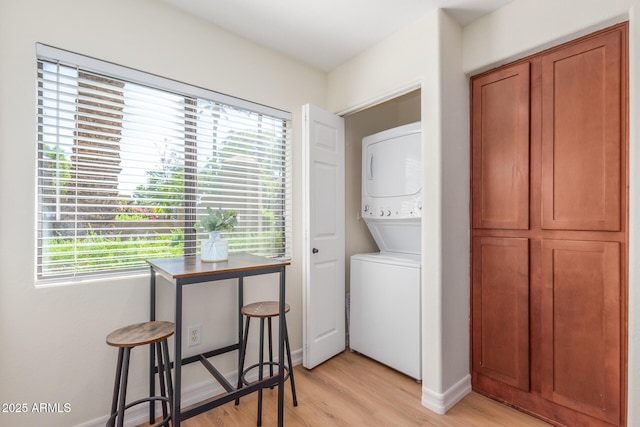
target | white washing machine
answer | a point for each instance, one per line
(385, 313)
(385, 310)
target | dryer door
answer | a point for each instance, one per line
(391, 163)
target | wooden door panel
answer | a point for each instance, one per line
(581, 135)
(501, 149)
(501, 309)
(581, 326)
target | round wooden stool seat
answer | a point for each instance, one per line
(263, 309)
(141, 334)
(154, 334)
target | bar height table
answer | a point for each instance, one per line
(189, 270)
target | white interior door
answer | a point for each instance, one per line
(324, 252)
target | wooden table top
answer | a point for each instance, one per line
(192, 266)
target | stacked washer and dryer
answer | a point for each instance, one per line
(385, 286)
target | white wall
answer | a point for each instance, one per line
(391, 67)
(454, 118)
(52, 345)
(429, 51)
(527, 26)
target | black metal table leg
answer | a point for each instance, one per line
(177, 355)
(240, 335)
(152, 362)
(260, 370)
(243, 355)
(281, 350)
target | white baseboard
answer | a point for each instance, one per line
(191, 395)
(440, 403)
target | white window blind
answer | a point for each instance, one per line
(125, 168)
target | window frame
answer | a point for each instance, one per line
(190, 186)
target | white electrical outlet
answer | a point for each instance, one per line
(195, 333)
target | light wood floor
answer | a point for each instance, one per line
(352, 390)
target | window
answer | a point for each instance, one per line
(127, 161)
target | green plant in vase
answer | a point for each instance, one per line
(216, 249)
(218, 220)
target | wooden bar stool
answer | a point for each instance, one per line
(265, 310)
(155, 334)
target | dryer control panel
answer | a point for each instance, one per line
(396, 209)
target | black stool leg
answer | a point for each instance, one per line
(167, 372)
(260, 370)
(163, 389)
(123, 385)
(293, 385)
(243, 353)
(116, 387)
(270, 348)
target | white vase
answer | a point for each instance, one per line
(215, 248)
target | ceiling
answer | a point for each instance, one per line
(325, 33)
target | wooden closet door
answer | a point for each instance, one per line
(501, 309)
(581, 135)
(550, 232)
(581, 326)
(500, 144)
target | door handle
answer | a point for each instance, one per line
(315, 250)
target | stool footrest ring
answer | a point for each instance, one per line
(164, 422)
(255, 365)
